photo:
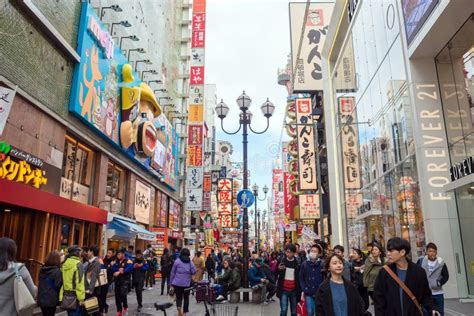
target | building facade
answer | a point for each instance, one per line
(80, 183)
(400, 116)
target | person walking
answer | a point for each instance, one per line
(149, 255)
(288, 289)
(73, 279)
(198, 262)
(274, 263)
(92, 283)
(373, 264)
(166, 263)
(437, 273)
(339, 250)
(122, 269)
(401, 288)
(210, 267)
(311, 277)
(8, 265)
(357, 275)
(181, 275)
(140, 268)
(337, 296)
(107, 262)
(49, 285)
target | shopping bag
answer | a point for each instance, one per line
(301, 309)
(24, 301)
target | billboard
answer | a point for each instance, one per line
(306, 145)
(108, 97)
(309, 206)
(415, 13)
(306, 48)
(349, 143)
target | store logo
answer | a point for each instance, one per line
(462, 169)
(19, 171)
(103, 38)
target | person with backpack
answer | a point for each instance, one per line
(122, 269)
(181, 276)
(148, 255)
(437, 273)
(401, 288)
(140, 268)
(50, 282)
(73, 289)
(166, 263)
(288, 281)
(311, 277)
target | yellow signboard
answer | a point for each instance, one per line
(196, 113)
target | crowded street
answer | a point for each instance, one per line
(236, 157)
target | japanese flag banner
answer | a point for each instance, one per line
(6, 100)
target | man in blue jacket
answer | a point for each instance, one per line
(257, 278)
(311, 277)
(122, 268)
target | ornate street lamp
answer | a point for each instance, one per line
(244, 101)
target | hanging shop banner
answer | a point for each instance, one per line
(307, 65)
(196, 113)
(199, 22)
(198, 39)
(6, 100)
(350, 142)
(142, 202)
(206, 201)
(197, 56)
(196, 94)
(199, 6)
(309, 206)
(346, 73)
(108, 97)
(194, 156)
(276, 174)
(197, 75)
(306, 146)
(195, 134)
(195, 177)
(194, 199)
(354, 202)
(287, 178)
(207, 182)
(22, 167)
(164, 210)
(225, 202)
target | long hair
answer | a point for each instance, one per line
(7, 252)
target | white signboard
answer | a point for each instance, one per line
(142, 202)
(6, 100)
(309, 206)
(306, 146)
(80, 193)
(195, 177)
(194, 199)
(350, 142)
(307, 66)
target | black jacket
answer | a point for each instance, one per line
(357, 278)
(387, 292)
(281, 277)
(210, 265)
(50, 282)
(166, 263)
(108, 265)
(323, 300)
(268, 274)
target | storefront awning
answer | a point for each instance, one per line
(13, 193)
(124, 227)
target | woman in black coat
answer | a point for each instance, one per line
(50, 282)
(336, 295)
(210, 267)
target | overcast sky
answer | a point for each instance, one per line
(246, 42)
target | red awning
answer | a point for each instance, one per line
(25, 196)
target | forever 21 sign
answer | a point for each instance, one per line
(462, 169)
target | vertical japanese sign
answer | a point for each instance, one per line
(142, 202)
(6, 101)
(350, 143)
(306, 145)
(197, 199)
(309, 206)
(277, 174)
(307, 67)
(287, 178)
(224, 202)
(207, 187)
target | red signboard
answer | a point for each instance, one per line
(199, 22)
(195, 135)
(198, 39)
(197, 75)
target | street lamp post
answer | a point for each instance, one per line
(114, 7)
(111, 201)
(257, 213)
(243, 101)
(153, 72)
(123, 23)
(139, 50)
(131, 37)
(145, 61)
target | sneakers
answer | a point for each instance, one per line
(265, 303)
(125, 311)
(119, 313)
(139, 309)
(220, 298)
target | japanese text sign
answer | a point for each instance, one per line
(309, 206)
(306, 145)
(350, 143)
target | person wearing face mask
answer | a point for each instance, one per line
(311, 277)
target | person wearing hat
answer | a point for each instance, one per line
(73, 279)
(138, 135)
(257, 279)
(311, 277)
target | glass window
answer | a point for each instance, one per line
(115, 181)
(77, 171)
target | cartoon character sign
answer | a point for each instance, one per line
(138, 134)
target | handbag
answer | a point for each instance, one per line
(301, 309)
(91, 305)
(102, 279)
(69, 297)
(24, 301)
(404, 288)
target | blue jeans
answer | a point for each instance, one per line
(285, 296)
(438, 305)
(76, 312)
(310, 305)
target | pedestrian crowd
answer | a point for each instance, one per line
(321, 281)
